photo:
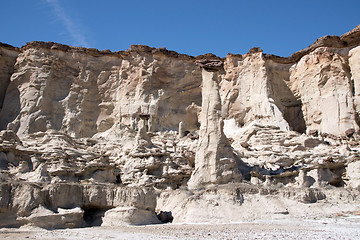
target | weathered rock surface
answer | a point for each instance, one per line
(315, 89)
(238, 203)
(63, 218)
(92, 137)
(129, 215)
(23, 203)
(98, 94)
(323, 81)
(254, 88)
(353, 174)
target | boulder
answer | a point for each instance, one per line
(62, 218)
(353, 174)
(129, 216)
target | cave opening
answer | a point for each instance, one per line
(337, 180)
(93, 215)
(293, 114)
(165, 216)
(118, 179)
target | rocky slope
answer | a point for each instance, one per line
(94, 137)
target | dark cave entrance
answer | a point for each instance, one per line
(165, 216)
(293, 114)
(93, 215)
(118, 179)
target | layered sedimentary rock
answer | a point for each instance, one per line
(324, 83)
(254, 88)
(98, 91)
(25, 203)
(314, 89)
(92, 137)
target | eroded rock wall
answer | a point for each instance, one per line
(99, 92)
(81, 94)
(20, 202)
(323, 81)
(316, 89)
(90, 135)
(255, 89)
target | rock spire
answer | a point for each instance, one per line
(214, 161)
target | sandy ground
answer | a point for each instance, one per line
(339, 228)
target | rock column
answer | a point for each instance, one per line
(215, 162)
(181, 130)
(142, 137)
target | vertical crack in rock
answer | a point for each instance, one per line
(215, 162)
(286, 107)
(8, 55)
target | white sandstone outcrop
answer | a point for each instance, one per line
(323, 81)
(98, 91)
(250, 91)
(92, 137)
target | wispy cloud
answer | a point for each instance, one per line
(70, 26)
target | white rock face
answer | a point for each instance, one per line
(114, 138)
(315, 89)
(246, 93)
(63, 218)
(353, 172)
(95, 94)
(234, 204)
(323, 81)
(254, 88)
(99, 93)
(129, 215)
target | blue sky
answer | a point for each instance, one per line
(191, 27)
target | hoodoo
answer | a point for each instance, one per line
(215, 161)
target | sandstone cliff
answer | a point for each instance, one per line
(98, 91)
(315, 89)
(92, 137)
(84, 92)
